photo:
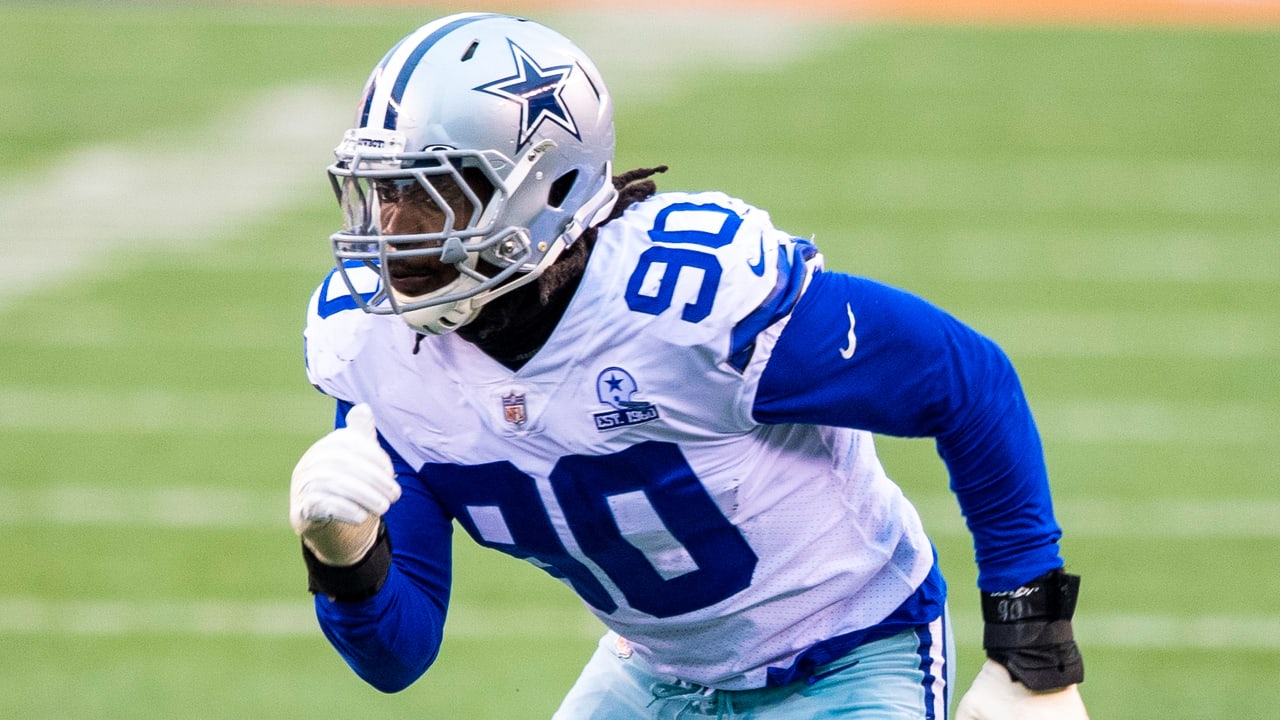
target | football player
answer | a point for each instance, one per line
(660, 399)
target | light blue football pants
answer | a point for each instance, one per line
(904, 677)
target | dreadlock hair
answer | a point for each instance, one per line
(531, 312)
(634, 186)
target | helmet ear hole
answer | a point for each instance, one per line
(560, 188)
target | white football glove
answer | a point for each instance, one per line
(996, 696)
(341, 487)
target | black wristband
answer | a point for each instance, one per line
(352, 583)
(1028, 630)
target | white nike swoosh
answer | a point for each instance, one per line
(757, 268)
(853, 339)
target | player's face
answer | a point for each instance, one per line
(407, 209)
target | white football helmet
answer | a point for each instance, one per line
(496, 97)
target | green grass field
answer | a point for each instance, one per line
(1103, 202)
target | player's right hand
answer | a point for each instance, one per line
(341, 487)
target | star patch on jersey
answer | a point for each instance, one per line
(615, 387)
(538, 90)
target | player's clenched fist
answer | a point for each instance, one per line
(996, 696)
(341, 487)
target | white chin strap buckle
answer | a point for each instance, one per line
(442, 318)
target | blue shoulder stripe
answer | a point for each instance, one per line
(330, 302)
(791, 271)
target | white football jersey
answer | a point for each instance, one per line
(623, 457)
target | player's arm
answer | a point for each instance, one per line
(377, 551)
(857, 353)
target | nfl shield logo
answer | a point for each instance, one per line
(513, 408)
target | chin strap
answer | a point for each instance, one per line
(594, 211)
(447, 317)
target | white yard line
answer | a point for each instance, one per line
(1172, 632)
(168, 193)
(644, 54)
(159, 409)
(1158, 422)
(26, 616)
(216, 508)
(1236, 335)
(1210, 187)
(204, 182)
(265, 618)
(1170, 518)
(1082, 420)
(167, 507)
(1186, 256)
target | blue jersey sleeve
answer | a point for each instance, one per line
(392, 638)
(856, 353)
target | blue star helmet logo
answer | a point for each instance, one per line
(538, 91)
(615, 386)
